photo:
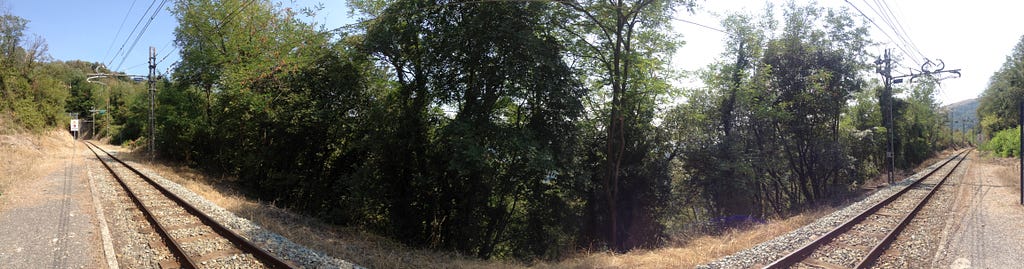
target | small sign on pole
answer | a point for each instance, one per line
(74, 127)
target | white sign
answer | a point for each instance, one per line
(74, 125)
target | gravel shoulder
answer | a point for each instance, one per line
(918, 243)
(47, 221)
(274, 243)
(984, 228)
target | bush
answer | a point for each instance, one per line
(1005, 143)
(28, 115)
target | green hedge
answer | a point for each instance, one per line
(1005, 143)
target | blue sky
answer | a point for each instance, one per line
(86, 30)
(975, 37)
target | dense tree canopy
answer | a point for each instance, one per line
(525, 129)
(788, 119)
(774, 116)
(36, 92)
(622, 49)
(1000, 104)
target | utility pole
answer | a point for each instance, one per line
(929, 68)
(92, 133)
(963, 132)
(152, 103)
(1020, 152)
(885, 103)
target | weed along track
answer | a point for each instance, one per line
(193, 238)
(858, 242)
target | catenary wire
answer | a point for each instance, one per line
(139, 36)
(119, 28)
(129, 37)
(911, 42)
(900, 47)
(702, 25)
(890, 20)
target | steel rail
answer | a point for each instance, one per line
(801, 253)
(173, 245)
(877, 251)
(239, 241)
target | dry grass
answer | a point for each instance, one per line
(31, 156)
(697, 251)
(1010, 173)
(1006, 169)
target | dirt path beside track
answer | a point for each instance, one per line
(986, 225)
(47, 213)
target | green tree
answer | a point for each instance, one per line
(31, 92)
(242, 57)
(865, 135)
(1000, 102)
(922, 124)
(730, 85)
(768, 141)
(483, 125)
(814, 71)
(12, 30)
(1005, 143)
(625, 51)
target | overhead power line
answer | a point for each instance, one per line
(137, 65)
(232, 14)
(882, 10)
(702, 25)
(169, 42)
(119, 28)
(902, 29)
(895, 32)
(886, 33)
(111, 61)
(167, 55)
(139, 36)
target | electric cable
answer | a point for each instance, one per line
(119, 28)
(881, 29)
(139, 36)
(131, 33)
(902, 29)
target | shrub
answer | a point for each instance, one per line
(1005, 143)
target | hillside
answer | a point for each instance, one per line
(965, 111)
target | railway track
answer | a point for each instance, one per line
(193, 238)
(858, 242)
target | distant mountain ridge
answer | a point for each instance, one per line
(962, 115)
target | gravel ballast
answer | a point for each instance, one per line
(771, 250)
(132, 236)
(917, 243)
(272, 242)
